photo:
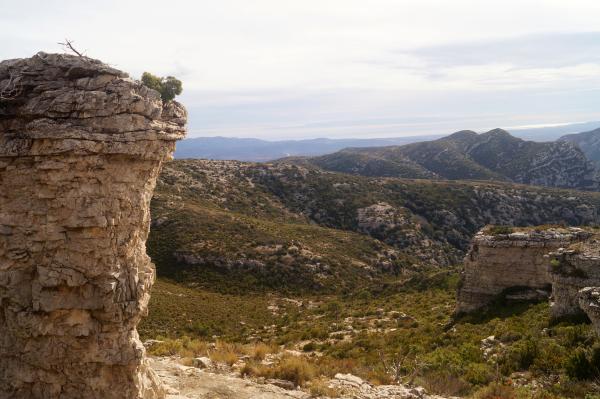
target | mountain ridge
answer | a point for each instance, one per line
(466, 155)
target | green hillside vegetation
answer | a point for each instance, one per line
(278, 217)
(405, 322)
(357, 273)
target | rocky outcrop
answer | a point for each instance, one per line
(589, 302)
(510, 265)
(571, 270)
(81, 146)
(397, 226)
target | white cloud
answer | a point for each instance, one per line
(270, 64)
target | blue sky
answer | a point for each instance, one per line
(339, 68)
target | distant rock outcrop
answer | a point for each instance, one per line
(511, 265)
(81, 146)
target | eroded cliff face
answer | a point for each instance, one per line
(572, 270)
(589, 302)
(513, 266)
(81, 146)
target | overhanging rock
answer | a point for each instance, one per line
(81, 146)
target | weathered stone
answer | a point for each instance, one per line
(81, 145)
(202, 362)
(589, 302)
(572, 269)
(512, 266)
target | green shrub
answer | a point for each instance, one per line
(584, 364)
(199, 329)
(578, 366)
(295, 369)
(478, 374)
(168, 87)
(444, 383)
(496, 230)
(309, 347)
(496, 391)
(520, 356)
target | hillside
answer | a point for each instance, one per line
(495, 155)
(269, 226)
(588, 142)
(348, 274)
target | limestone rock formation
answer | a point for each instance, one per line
(589, 302)
(81, 145)
(510, 265)
(572, 269)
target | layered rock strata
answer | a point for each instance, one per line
(512, 265)
(589, 302)
(572, 269)
(81, 146)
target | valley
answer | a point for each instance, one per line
(352, 274)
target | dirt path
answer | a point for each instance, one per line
(190, 382)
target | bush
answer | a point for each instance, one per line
(520, 356)
(224, 353)
(478, 374)
(168, 347)
(495, 230)
(168, 87)
(320, 388)
(442, 383)
(309, 347)
(496, 391)
(295, 369)
(584, 365)
(260, 350)
(199, 329)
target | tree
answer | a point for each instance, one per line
(168, 87)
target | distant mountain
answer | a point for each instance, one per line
(249, 149)
(495, 155)
(552, 133)
(588, 142)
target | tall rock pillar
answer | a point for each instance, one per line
(81, 146)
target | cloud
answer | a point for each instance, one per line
(549, 50)
(282, 68)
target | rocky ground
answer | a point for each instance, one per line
(208, 381)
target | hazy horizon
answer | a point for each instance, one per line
(276, 69)
(571, 127)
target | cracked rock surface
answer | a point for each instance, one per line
(81, 145)
(589, 301)
(513, 266)
(573, 270)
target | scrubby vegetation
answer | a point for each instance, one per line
(230, 216)
(395, 331)
(168, 87)
(497, 230)
(281, 271)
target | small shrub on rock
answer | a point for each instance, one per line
(168, 87)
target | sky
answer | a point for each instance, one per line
(281, 69)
